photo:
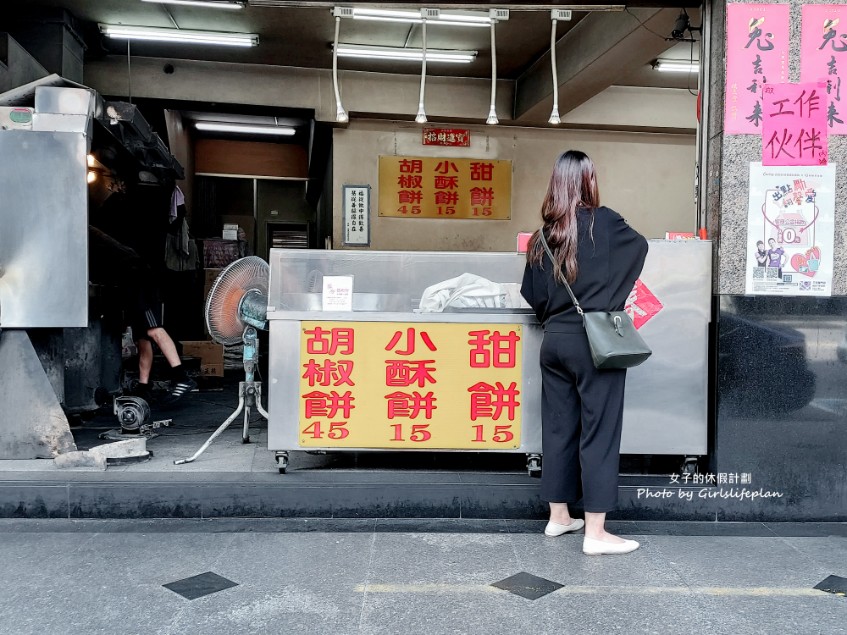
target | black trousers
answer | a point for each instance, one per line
(582, 416)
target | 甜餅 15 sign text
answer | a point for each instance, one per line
(434, 187)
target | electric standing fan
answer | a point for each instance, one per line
(236, 309)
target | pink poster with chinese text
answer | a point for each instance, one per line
(756, 54)
(794, 130)
(823, 57)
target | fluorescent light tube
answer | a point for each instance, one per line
(154, 34)
(361, 13)
(459, 22)
(213, 126)
(209, 4)
(676, 66)
(407, 54)
(469, 18)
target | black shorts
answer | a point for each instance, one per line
(143, 311)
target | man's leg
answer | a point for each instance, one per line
(145, 364)
(150, 310)
(165, 344)
(180, 382)
(145, 360)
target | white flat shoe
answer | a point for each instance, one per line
(593, 547)
(555, 529)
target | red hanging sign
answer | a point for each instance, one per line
(447, 137)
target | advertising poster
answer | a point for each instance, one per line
(823, 57)
(794, 130)
(790, 230)
(756, 54)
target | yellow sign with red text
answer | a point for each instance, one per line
(427, 187)
(410, 385)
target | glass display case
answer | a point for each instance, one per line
(399, 282)
(374, 350)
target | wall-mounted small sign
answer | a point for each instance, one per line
(357, 210)
(447, 137)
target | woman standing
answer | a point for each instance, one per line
(581, 407)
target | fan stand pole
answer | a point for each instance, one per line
(249, 396)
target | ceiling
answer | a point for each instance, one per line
(301, 36)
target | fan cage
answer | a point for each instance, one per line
(223, 318)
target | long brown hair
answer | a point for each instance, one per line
(573, 184)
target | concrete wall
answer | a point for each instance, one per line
(648, 178)
(380, 95)
(286, 87)
(629, 107)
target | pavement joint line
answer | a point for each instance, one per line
(367, 579)
(439, 587)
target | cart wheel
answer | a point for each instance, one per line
(245, 441)
(533, 465)
(282, 461)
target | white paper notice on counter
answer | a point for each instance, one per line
(337, 293)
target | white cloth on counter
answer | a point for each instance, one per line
(514, 299)
(469, 291)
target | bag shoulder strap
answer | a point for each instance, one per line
(562, 278)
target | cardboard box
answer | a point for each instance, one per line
(218, 252)
(211, 275)
(230, 234)
(247, 223)
(211, 356)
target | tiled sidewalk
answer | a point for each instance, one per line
(409, 576)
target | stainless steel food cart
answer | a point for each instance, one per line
(437, 351)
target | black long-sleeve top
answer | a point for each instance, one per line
(610, 256)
